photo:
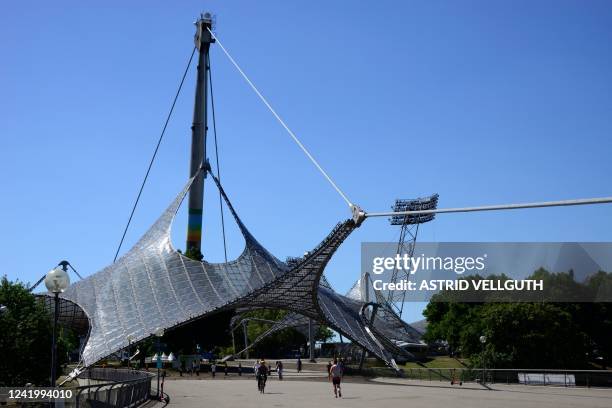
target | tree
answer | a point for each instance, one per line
(529, 334)
(25, 337)
(282, 342)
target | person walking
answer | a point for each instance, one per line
(336, 377)
(256, 368)
(329, 366)
(213, 369)
(225, 369)
(279, 370)
(299, 365)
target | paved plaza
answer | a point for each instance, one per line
(378, 393)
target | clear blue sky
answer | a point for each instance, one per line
(481, 102)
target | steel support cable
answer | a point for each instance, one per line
(45, 275)
(562, 203)
(161, 136)
(386, 214)
(37, 283)
(281, 121)
(75, 271)
(212, 107)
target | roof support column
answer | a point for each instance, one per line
(203, 39)
(246, 339)
(311, 341)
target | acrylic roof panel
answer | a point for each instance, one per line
(153, 286)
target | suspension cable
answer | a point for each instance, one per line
(161, 136)
(212, 106)
(281, 121)
(562, 203)
(75, 271)
(31, 288)
(34, 286)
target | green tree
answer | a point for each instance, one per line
(528, 334)
(25, 337)
(283, 341)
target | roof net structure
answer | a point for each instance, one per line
(354, 318)
(154, 286)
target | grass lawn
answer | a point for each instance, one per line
(437, 362)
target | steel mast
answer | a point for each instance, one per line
(203, 39)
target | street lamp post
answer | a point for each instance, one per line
(130, 338)
(483, 341)
(56, 281)
(158, 333)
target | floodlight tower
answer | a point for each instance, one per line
(203, 39)
(407, 240)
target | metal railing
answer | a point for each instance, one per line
(581, 378)
(109, 387)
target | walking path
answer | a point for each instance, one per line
(379, 393)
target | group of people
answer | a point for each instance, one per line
(213, 369)
(335, 372)
(195, 368)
